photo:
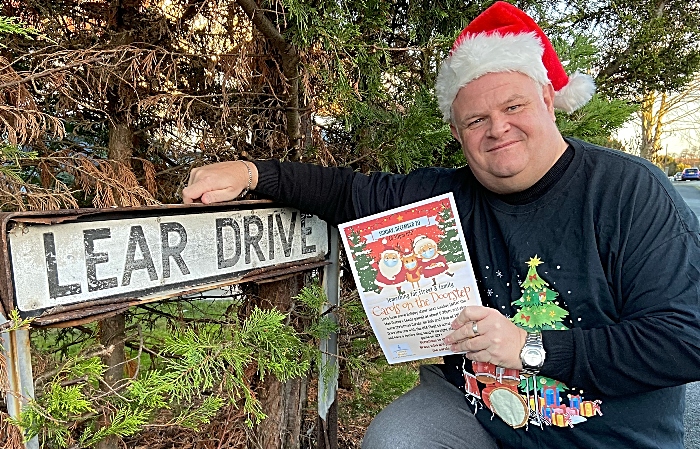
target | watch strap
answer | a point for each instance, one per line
(533, 340)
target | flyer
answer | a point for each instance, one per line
(413, 274)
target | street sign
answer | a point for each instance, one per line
(83, 261)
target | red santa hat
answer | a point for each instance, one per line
(420, 241)
(505, 39)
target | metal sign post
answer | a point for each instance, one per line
(18, 361)
(328, 371)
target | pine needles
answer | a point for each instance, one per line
(200, 370)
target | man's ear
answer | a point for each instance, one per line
(548, 97)
(455, 133)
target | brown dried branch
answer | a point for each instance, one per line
(43, 74)
(109, 183)
(147, 80)
(23, 125)
(149, 175)
(16, 195)
(4, 380)
(12, 435)
(20, 118)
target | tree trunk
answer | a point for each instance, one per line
(112, 334)
(653, 113)
(112, 329)
(282, 402)
(120, 142)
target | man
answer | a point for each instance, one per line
(591, 251)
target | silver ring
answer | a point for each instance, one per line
(475, 329)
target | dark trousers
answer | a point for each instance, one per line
(433, 415)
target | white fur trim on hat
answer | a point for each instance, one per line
(575, 93)
(481, 54)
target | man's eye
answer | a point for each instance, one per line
(514, 107)
(474, 122)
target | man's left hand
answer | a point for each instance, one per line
(498, 340)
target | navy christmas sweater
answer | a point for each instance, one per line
(613, 253)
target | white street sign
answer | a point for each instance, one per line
(76, 262)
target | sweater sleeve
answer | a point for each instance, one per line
(322, 191)
(654, 339)
(338, 195)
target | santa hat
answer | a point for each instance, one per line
(505, 39)
(389, 249)
(422, 240)
(405, 252)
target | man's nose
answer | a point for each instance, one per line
(498, 125)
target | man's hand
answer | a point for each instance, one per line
(223, 181)
(498, 340)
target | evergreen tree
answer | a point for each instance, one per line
(449, 245)
(539, 311)
(363, 263)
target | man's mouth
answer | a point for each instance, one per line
(501, 146)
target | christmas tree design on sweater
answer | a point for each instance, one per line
(539, 310)
(533, 400)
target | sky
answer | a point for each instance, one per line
(673, 142)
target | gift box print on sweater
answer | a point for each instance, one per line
(520, 400)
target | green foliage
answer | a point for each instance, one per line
(195, 362)
(578, 54)
(596, 121)
(88, 368)
(58, 405)
(279, 349)
(392, 383)
(217, 356)
(16, 322)
(323, 328)
(10, 25)
(327, 371)
(354, 311)
(313, 297)
(194, 417)
(385, 383)
(152, 390)
(123, 422)
(10, 156)
(641, 46)
(201, 369)
(404, 137)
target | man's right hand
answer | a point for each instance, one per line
(223, 181)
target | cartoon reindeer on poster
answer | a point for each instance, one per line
(411, 265)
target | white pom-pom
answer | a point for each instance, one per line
(576, 93)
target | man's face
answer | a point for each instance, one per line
(506, 125)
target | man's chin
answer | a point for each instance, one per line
(503, 182)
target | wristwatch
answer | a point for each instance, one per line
(532, 354)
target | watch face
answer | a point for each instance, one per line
(532, 357)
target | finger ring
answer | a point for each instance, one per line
(475, 329)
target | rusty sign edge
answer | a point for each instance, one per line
(95, 313)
